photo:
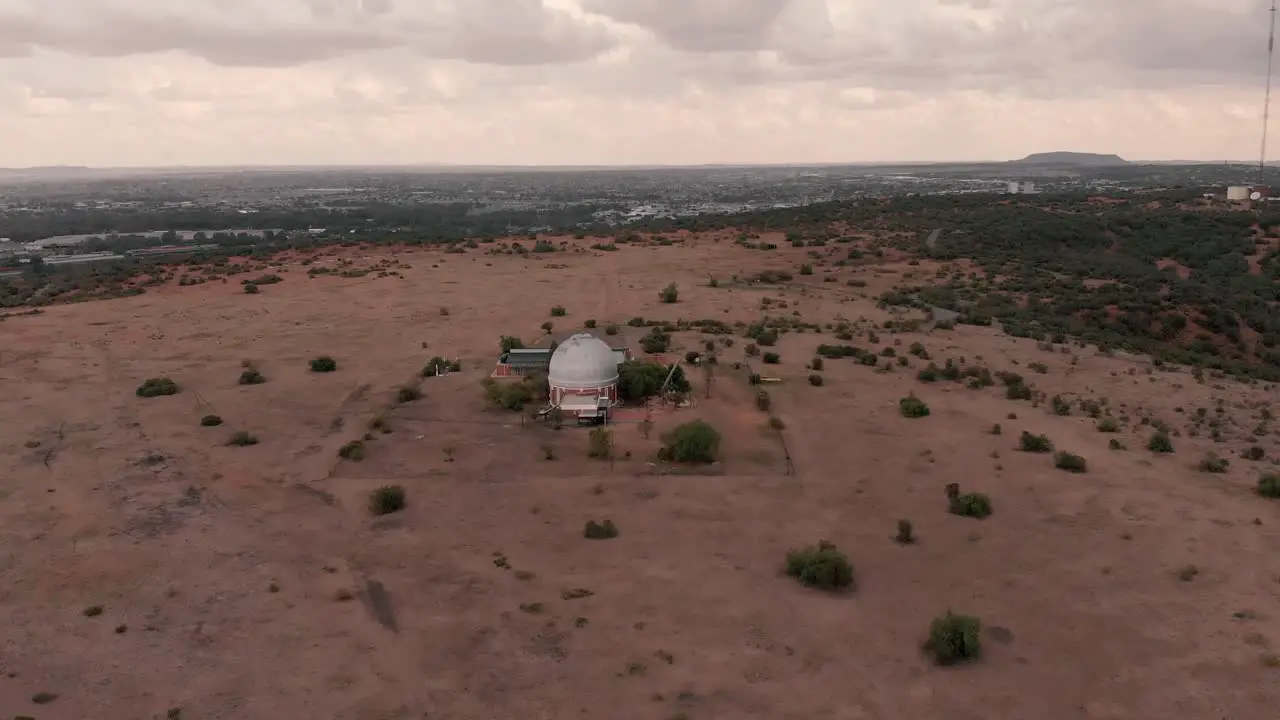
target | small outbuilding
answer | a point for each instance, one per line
(583, 377)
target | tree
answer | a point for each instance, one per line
(507, 343)
(638, 380)
(693, 442)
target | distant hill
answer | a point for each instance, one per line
(1071, 158)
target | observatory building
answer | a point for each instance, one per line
(583, 377)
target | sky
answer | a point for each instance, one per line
(625, 82)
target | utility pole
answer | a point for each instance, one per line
(1266, 103)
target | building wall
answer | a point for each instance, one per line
(558, 394)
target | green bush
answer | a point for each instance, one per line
(1160, 443)
(912, 407)
(1269, 485)
(154, 387)
(815, 380)
(693, 442)
(1070, 462)
(751, 350)
(386, 500)
(1034, 443)
(816, 364)
(996, 429)
(589, 324)
(1253, 453)
(353, 450)
(251, 377)
(210, 421)
(241, 438)
(638, 380)
(771, 358)
(1018, 391)
(600, 530)
(610, 329)
(1108, 425)
(954, 639)
(509, 395)
(669, 294)
(251, 289)
(974, 505)
(559, 311)
(1116, 445)
(324, 363)
(1213, 464)
(820, 566)
(408, 393)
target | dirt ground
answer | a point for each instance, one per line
(252, 582)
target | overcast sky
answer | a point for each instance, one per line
(169, 82)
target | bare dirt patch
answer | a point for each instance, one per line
(228, 564)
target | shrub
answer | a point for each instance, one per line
(589, 324)
(771, 358)
(508, 395)
(693, 442)
(1108, 425)
(386, 500)
(251, 377)
(1253, 453)
(669, 294)
(1160, 443)
(1269, 485)
(559, 311)
(820, 566)
(547, 327)
(928, 374)
(974, 505)
(324, 363)
(507, 343)
(1018, 391)
(912, 407)
(210, 421)
(600, 530)
(1116, 444)
(638, 380)
(240, 438)
(1070, 462)
(154, 387)
(815, 380)
(610, 329)
(435, 366)
(763, 401)
(600, 443)
(251, 289)
(816, 364)
(1213, 464)
(776, 423)
(996, 429)
(656, 341)
(353, 450)
(954, 639)
(1034, 443)
(906, 535)
(752, 350)
(1060, 405)
(408, 393)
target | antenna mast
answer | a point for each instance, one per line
(1266, 103)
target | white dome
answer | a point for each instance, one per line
(582, 361)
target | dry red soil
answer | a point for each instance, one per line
(251, 582)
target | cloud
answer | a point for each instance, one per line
(608, 81)
(282, 33)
